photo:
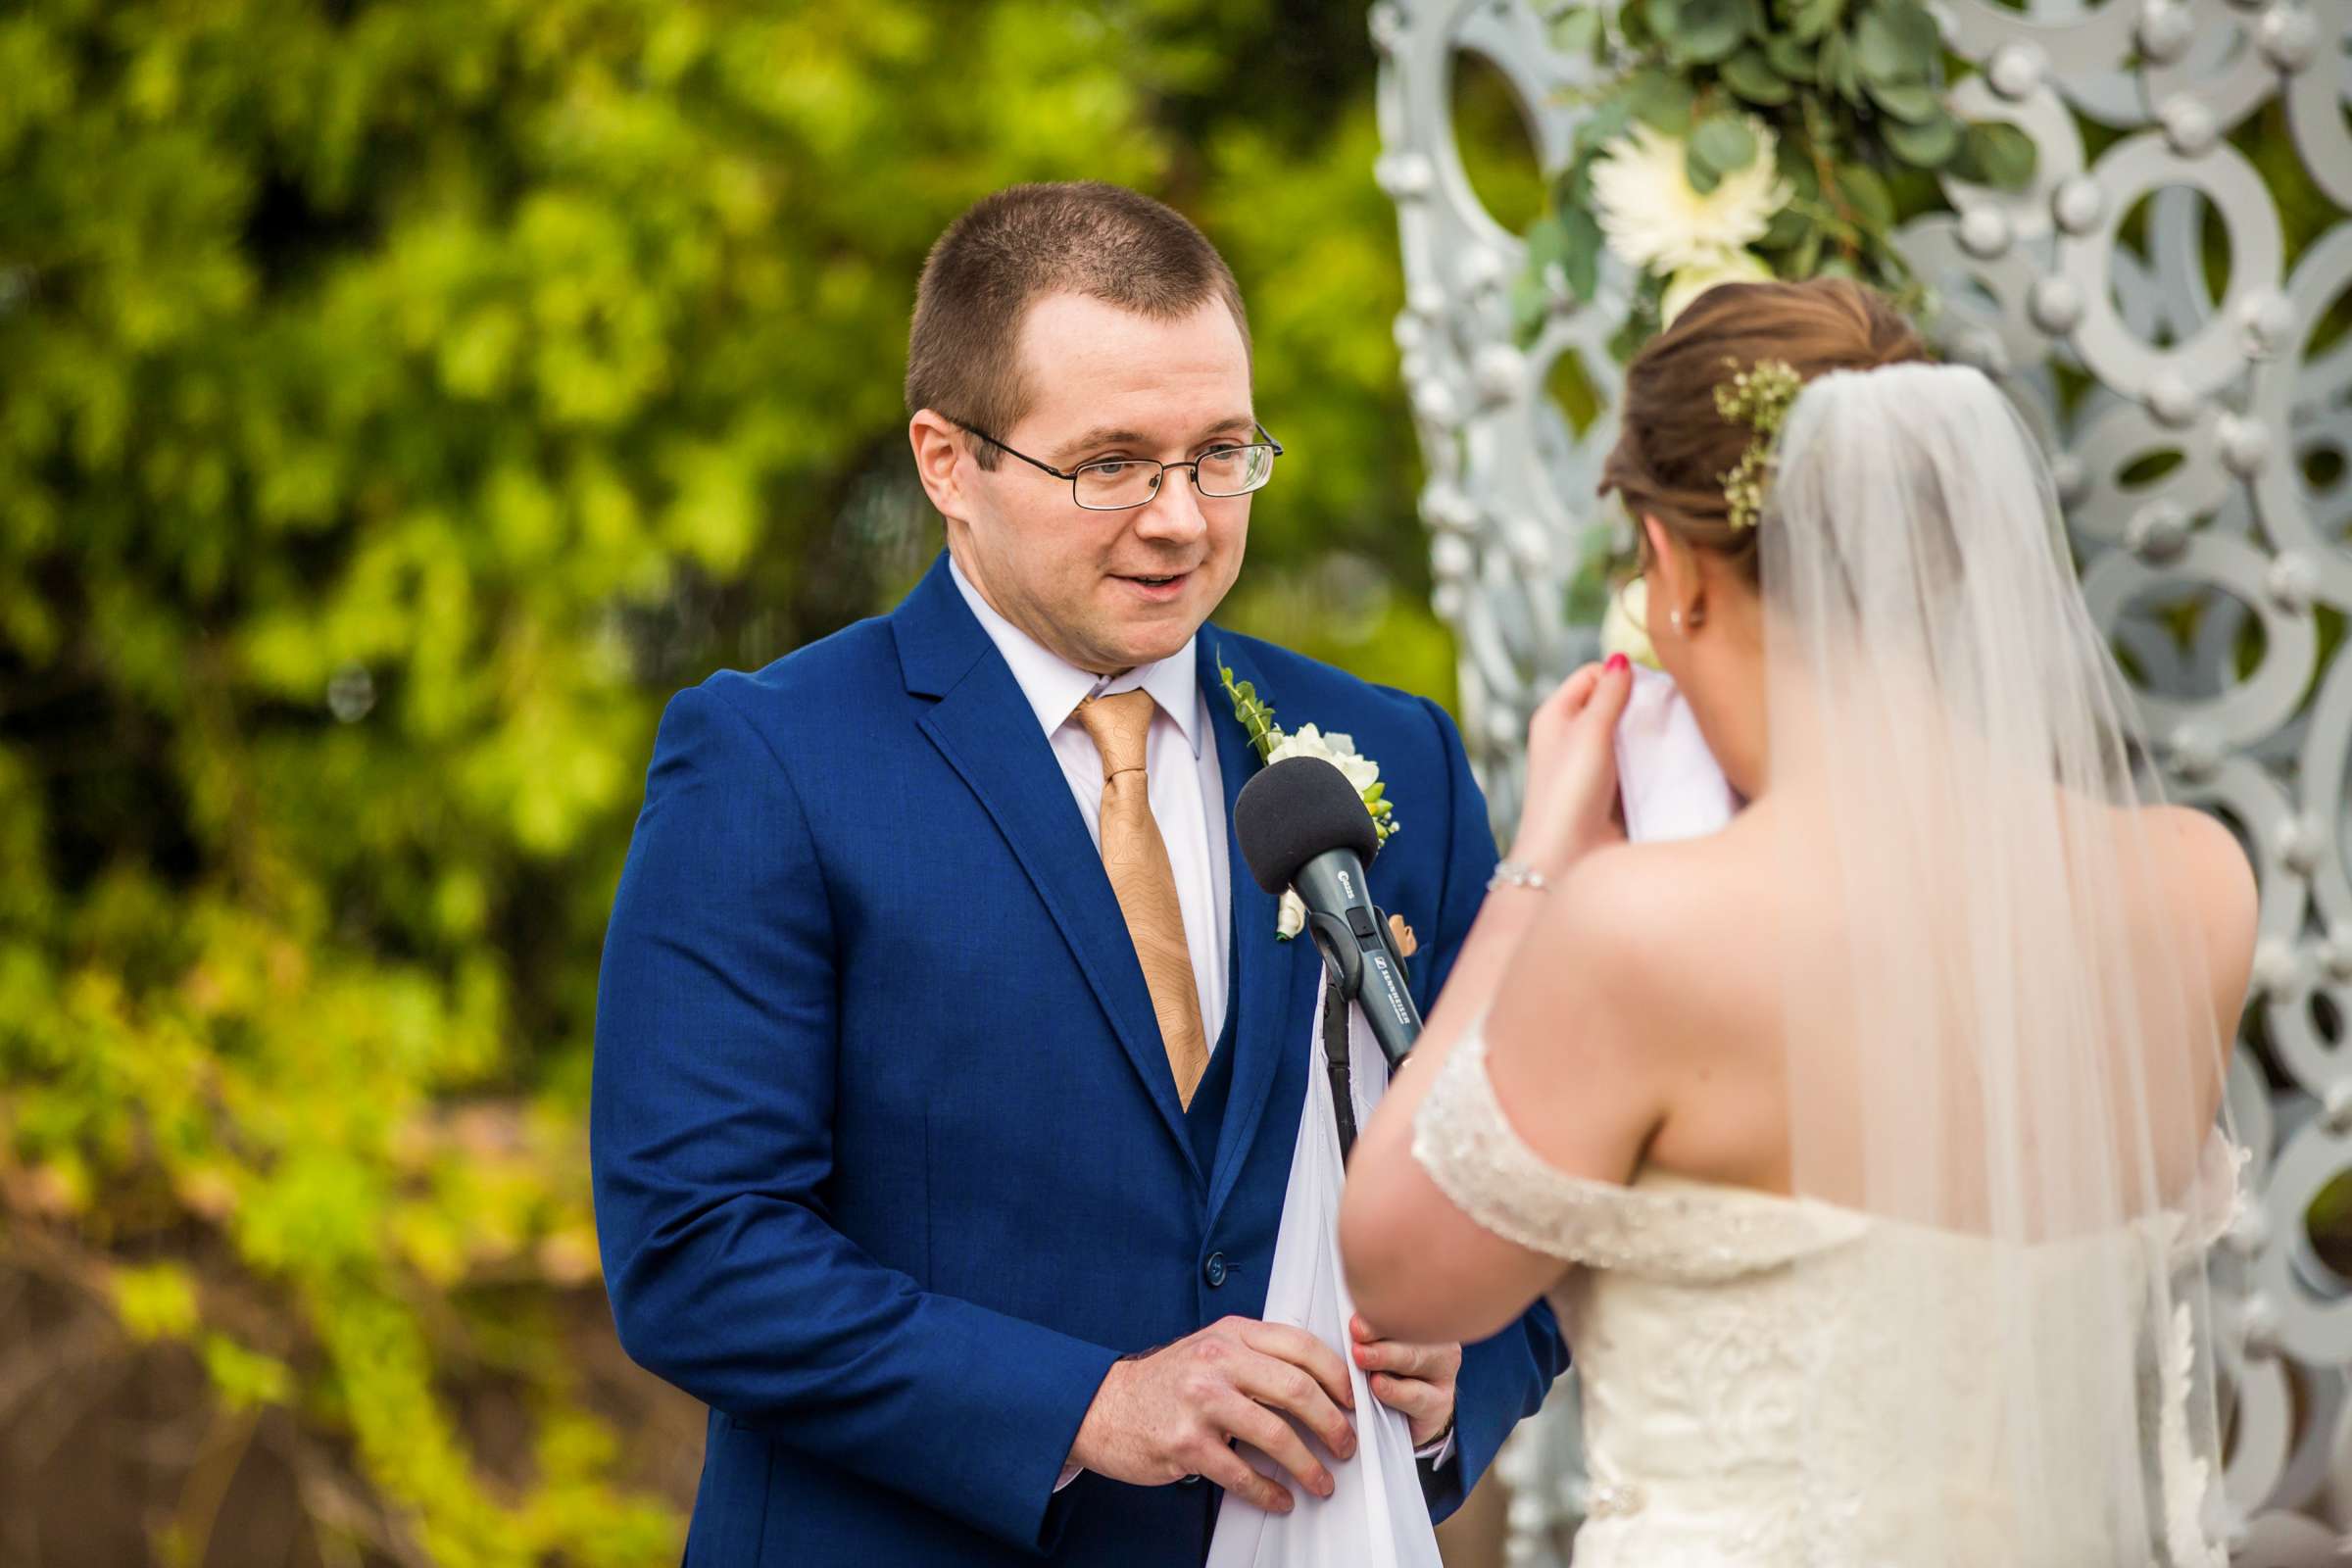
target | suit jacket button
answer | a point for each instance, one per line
(1214, 1270)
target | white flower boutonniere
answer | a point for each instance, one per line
(1274, 745)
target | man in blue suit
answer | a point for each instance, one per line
(949, 1064)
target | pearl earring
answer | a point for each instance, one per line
(1674, 618)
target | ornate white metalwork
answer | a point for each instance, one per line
(2203, 446)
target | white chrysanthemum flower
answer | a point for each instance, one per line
(1688, 284)
(1655, 221)
(1336, 749)
(1625, 625)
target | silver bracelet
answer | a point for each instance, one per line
(1518, 875)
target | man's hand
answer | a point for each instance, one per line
(1177, 1411)
(1416, 1381)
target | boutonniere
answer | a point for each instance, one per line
(1273, 745)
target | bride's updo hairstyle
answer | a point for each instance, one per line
(1676, 447)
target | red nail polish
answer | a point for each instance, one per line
(1618, 664)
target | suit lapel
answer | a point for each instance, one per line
(1265, 970)
(988, 733)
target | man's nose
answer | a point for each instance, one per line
(1174, 513)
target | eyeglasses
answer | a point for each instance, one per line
(1117, 484)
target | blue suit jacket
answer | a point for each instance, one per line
(889, 1164)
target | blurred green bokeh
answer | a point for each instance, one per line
(397, 402)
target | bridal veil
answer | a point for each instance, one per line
(2011, 1043)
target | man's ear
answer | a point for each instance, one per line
(939, 452)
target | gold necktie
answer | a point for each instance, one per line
(1137, 860)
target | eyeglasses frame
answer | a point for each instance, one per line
(1266, 438)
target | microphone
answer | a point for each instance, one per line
(1302, 826)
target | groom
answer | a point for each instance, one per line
(948, 1061)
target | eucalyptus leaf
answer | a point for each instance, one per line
(1711, 31)
(1661, 100)
(1631, 334)
(1915, 30)
(1965, 165)
(1575, 189)
(1849, 79)
(2001, 154)
(1787, 228)
(1789, 56)
(1795, 161)
(1867, 194)
(1702, 171)
(1810, 20)
(1833, 50)
(1582, 262)
(1546, 242)
(1914, 101)
(1808, 254)
(1751, 76)
(1880, 54)
(1530, 306)
(1577, 30)
(1929, 144)
(1724, 141)
(1606, 122)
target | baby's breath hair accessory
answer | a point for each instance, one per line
(1760, 398)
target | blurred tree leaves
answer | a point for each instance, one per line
(399, 401)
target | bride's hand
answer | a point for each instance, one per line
(1571, 803)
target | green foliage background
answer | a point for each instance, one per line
(397, 402)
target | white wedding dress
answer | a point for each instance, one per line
(1771, 1382)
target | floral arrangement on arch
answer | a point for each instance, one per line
(1735, 139)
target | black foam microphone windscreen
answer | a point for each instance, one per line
(1296, 809)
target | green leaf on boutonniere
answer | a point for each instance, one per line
(1257, 717)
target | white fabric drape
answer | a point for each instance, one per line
(1375, 1516)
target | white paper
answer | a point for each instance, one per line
(1376, 1516)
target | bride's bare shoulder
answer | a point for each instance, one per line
(2214, 888)
(1676, 922)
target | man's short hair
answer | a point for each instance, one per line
(1024, 243)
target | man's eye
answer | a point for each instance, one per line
(1110, 469)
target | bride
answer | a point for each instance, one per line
(1870, 1143)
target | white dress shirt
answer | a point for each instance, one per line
(1180, 772)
